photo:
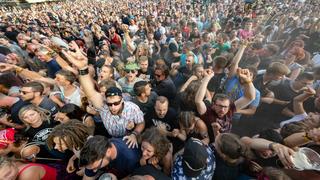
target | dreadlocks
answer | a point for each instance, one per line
(73, 133)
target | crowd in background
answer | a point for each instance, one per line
(137, 89)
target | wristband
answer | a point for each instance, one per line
(84, 71)
(135, 133)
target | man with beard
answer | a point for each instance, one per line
(120, 118)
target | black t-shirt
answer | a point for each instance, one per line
(308, 105)
(258, 84)
(148, 106)
(40, 134)
(49, 105)
(170, 119)
(216, 83)
(152, 171)
(283, 91)
(166, 88)
(15, 108)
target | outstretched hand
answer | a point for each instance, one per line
(76, 56)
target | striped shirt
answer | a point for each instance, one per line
(116, 124)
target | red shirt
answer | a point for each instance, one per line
(210, 117)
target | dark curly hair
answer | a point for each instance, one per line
(159, 141)
(73, 133)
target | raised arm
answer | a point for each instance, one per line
(201, 107)
(298, 100)
(25, 73)
(249, 90)
(81, 62)
(235, 62)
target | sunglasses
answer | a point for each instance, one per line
(114, 103)
(132, 71)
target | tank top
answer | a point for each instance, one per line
(50, 173)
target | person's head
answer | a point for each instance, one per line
(106, 73)
(31, 90)
(161, 106)
(221, 38)
(8, 169)
(178, 36)
(69, 111)
(64, 78)
(303, 80)
(276, 71)
(248, 25)
(68, 136)
(96, 153)
(221, 104)
(220, 62)
(106, 84)
(295, 54)
(271, 135)
(187, 121)
(44, 54)
(33, 116)
(143, 63)
(114, 100)
(131, 70)
(198, 70)
(190, 59)
(161, 73)
(154, 144)
(273, 174)
(272, 49)
(11, 141)
(194, 158)
(230, 148)
(142, 88)
(312, 120)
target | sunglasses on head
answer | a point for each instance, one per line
(114, 103)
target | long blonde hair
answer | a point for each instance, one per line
(44, 114)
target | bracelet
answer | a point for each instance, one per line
(135, 133)
(271, 146)
(84, 71)
(307, 137)
(19, 70)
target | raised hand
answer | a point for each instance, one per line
(244, 75)
(76, 57)
(6, 67)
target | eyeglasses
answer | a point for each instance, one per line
(114, 103)
(130, 71)
(221, 106)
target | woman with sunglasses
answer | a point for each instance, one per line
(156, 150)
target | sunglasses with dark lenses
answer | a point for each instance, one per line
(132, 71)
(114, 103)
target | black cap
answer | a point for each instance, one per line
(194, 158)
(113, 91)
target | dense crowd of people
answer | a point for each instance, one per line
(136, 89)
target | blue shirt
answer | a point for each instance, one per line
(127, 159)
(177, 171)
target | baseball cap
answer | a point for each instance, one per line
(6, 137)
(132, 66)
(194, 158)
(113, 91)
